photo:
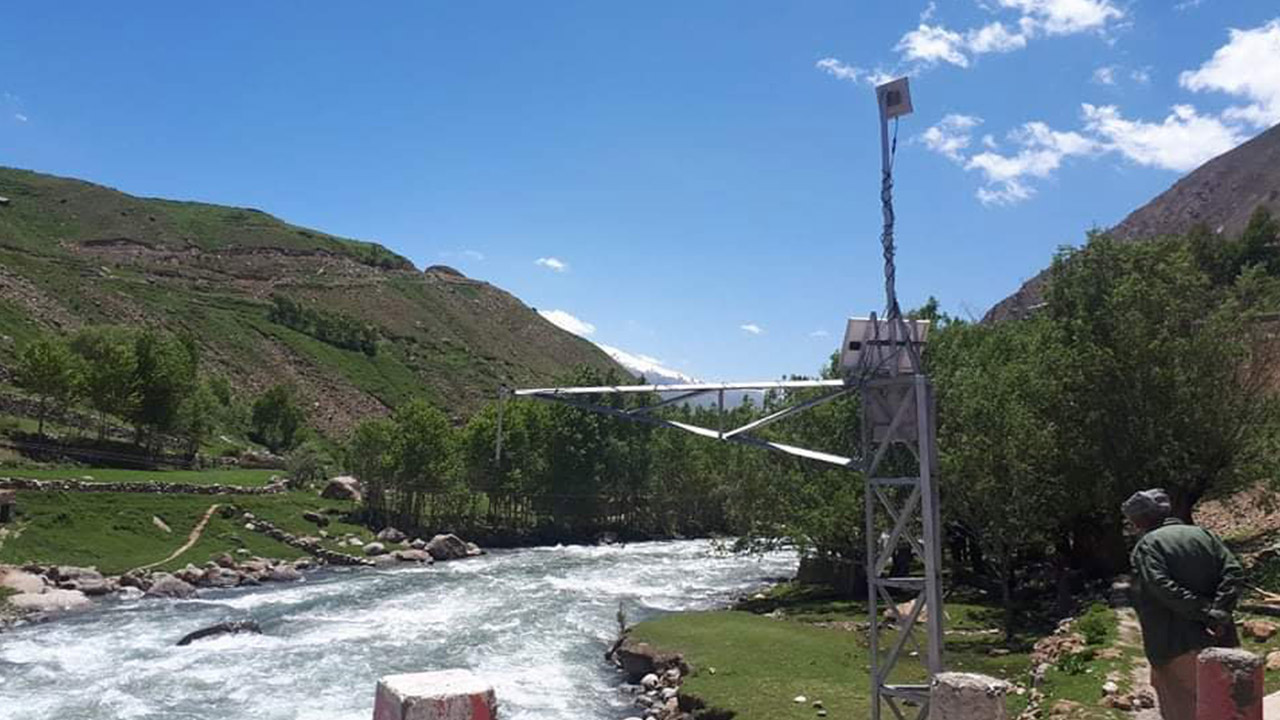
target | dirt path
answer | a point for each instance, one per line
(192, 538)
(1131, 637)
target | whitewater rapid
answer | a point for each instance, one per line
(533, 622)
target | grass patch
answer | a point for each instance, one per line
(116, 531)
(245, 478)
(815, 644)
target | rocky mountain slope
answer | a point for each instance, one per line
(1222, 194)
(73, 254)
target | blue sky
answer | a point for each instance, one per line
(695, 182)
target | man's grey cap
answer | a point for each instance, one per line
(1147, 505)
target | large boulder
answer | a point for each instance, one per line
(221, 578)
(375, 548)
(419, 556)
(639, 659)
(222, 628)
(284, 573)
(343, 487)
(315, 517)
(447, 547)
(391, 535)
(51, 600)
(166, 585)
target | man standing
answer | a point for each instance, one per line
(1186, 585)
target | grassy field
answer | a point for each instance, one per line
(118, 531)
(818, 647)
(245, 478)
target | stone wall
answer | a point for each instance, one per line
(159, 488)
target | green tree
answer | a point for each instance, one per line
(47, 368)
(277, 418)
(164, 375)
(370, 456)
(110, 367)
(198, 417)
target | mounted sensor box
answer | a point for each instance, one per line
(874, 347)
(895, 98)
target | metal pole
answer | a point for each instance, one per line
(873, 609)
(886, 206)
(927, 447)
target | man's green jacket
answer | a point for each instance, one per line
(1182, 573)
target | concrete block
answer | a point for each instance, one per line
(1228, 685)
(442, 695)
(967, 696)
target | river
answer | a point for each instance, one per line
(534, 622)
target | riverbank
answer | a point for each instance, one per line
(796, 653)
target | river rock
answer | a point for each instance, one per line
(375, 548)
(283, 573)
(166, 585)
(221, 578)
(447, 547)
(190, 574)
(225, 561)
(1259, 630)
(418, 544)
(638, 659)
(315, 517)
(420, 556)
(134, 579)
(51, 600)
(69, 573)
(391, 535)
(473, 550)
(95, 586)
(222, 628)
(343, 487)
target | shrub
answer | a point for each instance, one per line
(1095, 624)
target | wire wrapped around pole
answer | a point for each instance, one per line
(886, 205)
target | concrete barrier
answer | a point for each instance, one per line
(1228, 685)
(967, 696)
(442, 695)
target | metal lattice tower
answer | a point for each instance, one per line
(898, 458)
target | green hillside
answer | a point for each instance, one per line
(74, 254)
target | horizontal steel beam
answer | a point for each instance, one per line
(699, 387)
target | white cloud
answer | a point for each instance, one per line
(931, 44)
(552, 263)
(752, 328)
(474, 255)
(835, 68)
(1041, 152)
(20, 117)
(1142, 76)
(1248, 66)
(1188, 5)
(994, 38)
(989, 141)
(1065, 17)
(951, 135)
(568, 322)
(1182, 141)
(1105, 75)
(819, 334)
